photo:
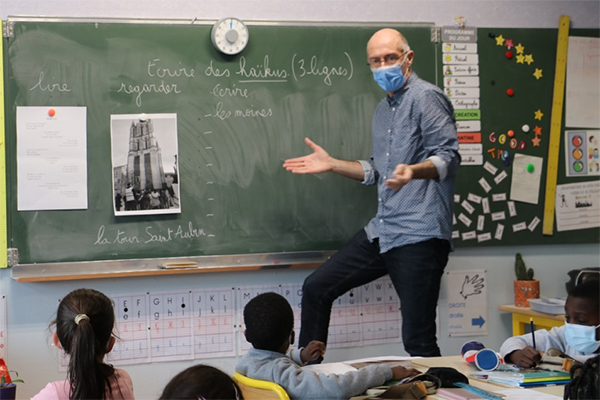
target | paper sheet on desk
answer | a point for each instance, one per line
(526, 394)
(353, 365)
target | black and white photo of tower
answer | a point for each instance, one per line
(141, 184)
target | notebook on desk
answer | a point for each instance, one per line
(529, 377)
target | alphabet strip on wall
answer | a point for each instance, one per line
(208, 323)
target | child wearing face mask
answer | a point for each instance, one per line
(579, 338)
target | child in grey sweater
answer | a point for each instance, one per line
(269, 323)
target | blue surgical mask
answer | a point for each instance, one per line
(390, 77)
(582, 338)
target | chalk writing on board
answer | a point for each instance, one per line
(155, 69)
(148, 88)
(219, 91)
(50, 87)
(221, 113)
(151, 234)
(211, 70)
(261, 71)
(313, 68)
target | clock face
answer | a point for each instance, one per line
(230, 35)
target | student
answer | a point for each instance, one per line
(84, 323)
(201, 382)
(269, 323)
(579, 338)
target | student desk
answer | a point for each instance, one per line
(521, 315)
(457, 362)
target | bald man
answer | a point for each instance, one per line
(413, 163)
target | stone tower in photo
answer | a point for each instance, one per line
(144, 160)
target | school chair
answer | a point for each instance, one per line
(256, 389)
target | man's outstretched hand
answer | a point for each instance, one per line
(315, 163)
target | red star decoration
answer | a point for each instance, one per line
(538, 130)
(509, 43)
(536, 141)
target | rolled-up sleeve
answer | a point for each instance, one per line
(370, 172)
(439, 133)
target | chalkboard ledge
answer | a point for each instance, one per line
(50, 272)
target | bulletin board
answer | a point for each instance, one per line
(513, 98)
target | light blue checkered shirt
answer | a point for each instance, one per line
(415, 124)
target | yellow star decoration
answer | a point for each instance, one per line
(448, 58)
(537, 73)
(520, 48)
(539, 114)
(499, 40)
(520, 59)
(529, 59)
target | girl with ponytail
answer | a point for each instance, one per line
(84, 324)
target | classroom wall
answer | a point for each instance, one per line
(31, 305)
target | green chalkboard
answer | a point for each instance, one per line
(238, 118)
(501, 70)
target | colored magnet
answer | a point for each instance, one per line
(525, 128)
(530, 168)
(52, 112)
(511, 133)
(143, 117)
(510, 92)
(492, 138)
(509, 54)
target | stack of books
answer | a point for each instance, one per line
(529, 378)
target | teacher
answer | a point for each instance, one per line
(413, 163)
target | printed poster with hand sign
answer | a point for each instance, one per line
(467, 302)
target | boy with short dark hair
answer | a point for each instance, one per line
(269, 323)
(579, 338)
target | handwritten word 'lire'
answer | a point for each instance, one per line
(49, 87)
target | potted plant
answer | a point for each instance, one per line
(525, 286)
(8, 389)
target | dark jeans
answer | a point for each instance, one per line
(415, 269)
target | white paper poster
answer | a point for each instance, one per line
(578, 206)
(526, 176)
(583, 83)
(467, 302)
(51, 158)
(582, 153)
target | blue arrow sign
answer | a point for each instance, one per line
(478, 321)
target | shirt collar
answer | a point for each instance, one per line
(395, 99)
